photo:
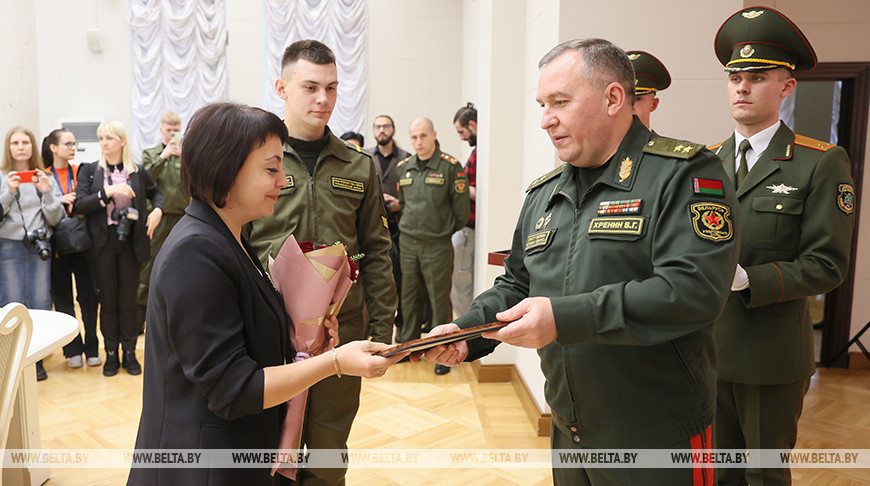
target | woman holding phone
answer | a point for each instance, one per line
(30, 203)
(58, 149)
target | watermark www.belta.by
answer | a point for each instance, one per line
(435, 458)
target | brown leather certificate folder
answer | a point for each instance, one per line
(451, 337)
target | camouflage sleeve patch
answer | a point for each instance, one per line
(544, 178)
(711, 221)
(669, 147)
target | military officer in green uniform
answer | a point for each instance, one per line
(620, 263)
(433, 195)
(650, 77)
(796, 206)
(163, 163)
(332, 194)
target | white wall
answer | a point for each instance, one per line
(73, 81)
(18, 95)
(415, 66)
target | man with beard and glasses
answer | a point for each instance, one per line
(386, 155)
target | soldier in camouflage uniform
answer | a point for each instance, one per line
(332, 194)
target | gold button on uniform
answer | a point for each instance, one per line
(576, 438)
(779, 207)
(573, 429)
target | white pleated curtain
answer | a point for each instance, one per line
(179, 62)
(340, 24)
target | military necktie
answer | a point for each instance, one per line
(743, 169)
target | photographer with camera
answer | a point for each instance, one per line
(31, 207)
(112, 194)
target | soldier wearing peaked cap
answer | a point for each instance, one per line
(796, 206)
(650, 77)
(620, 263)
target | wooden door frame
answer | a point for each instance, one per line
(838, 303)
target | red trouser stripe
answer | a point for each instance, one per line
(703, 475)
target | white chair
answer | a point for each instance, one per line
(16, 328)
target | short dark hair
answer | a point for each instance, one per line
(604, 63)
(311, 50)
(466, 114)
(353, 135)
(219, 139)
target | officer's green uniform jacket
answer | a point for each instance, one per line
(435, 201)
(167, 175)
(634, 294)
(796, 208)
(341, 203)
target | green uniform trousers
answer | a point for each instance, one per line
(427, 266)
(757, 417)
(167, 222)
(332, 406)
(562, 443)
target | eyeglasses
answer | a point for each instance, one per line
(383, 127)
(70, 145)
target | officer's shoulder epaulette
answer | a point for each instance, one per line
(544, 178)
(402, 162)
(449, 158)
(812, 143)
(357, 148)
(670, 147)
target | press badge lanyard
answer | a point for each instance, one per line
(69, 180)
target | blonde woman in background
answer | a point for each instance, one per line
(112, 194)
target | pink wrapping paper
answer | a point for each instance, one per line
(313, 286)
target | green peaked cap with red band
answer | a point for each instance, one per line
(650, 75)
(759, 38)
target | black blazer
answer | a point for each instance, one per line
(90, 182)
(214, 323)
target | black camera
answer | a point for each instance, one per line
(43, 248)
(125, 217)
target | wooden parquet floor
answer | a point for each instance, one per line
(410, 408)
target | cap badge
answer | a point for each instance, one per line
(633, 57)
(747, 51)
(625, 169)
(754, 14)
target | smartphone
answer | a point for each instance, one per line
(176, 136)
(30, 176)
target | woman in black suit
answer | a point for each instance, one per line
(217, 347)
(111, 193)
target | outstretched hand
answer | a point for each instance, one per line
(448, 355)
(358, 358)
(532, 324)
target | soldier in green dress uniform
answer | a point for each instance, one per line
(620, 263)
(433, 195)
(650, 77)
(332, 194)
(796, 206)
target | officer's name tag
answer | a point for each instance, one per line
(406, 181)
(539, 239)
(348, 184)
(434, 180)
(616, 226)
